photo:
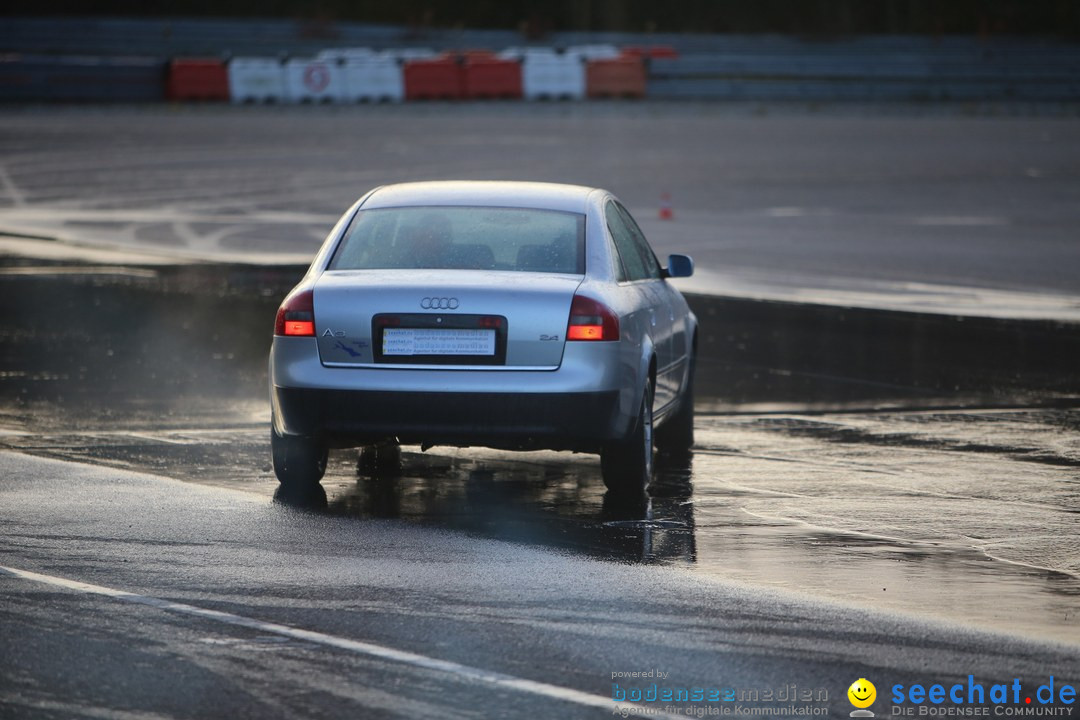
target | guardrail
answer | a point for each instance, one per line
(846, 71)
(81, 79)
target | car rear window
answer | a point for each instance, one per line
(464, 238)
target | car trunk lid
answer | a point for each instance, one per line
(452, 318)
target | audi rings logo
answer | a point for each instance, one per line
(437, 303)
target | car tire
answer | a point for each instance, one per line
(627, 465)
(675, 438)
(299, 462)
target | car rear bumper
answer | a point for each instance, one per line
(588, 400)
(344, 418)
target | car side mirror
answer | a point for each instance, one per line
(679, 266)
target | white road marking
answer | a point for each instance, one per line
(17, 196)
(158, 438)
(466, 672)
(209, 240)
(46, 270)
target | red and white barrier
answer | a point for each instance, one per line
(549, 75)
(353, 75)
(438, 78)
(314, 80)
(491, 78)
(620, 77)
(256, 80)
(197, 79)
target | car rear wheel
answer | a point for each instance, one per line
(627, 465)
(675, 438)
(299, 462)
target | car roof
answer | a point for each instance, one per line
(547, 196)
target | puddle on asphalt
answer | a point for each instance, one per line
(967, 515)
(716, 520)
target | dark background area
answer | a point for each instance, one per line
(536, 18)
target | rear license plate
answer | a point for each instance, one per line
(449, 341)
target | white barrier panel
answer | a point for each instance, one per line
(378, 78)
(309, 80)
(552, 76)
(260, 80)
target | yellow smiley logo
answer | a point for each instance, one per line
(862, 693)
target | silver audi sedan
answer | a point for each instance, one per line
(510, 315)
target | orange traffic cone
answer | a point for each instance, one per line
(665, 207)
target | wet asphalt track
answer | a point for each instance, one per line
(850, 465)
(871, 481)
(920, 206)
(321, 607)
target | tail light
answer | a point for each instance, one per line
(296, 316)
(591, 320)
